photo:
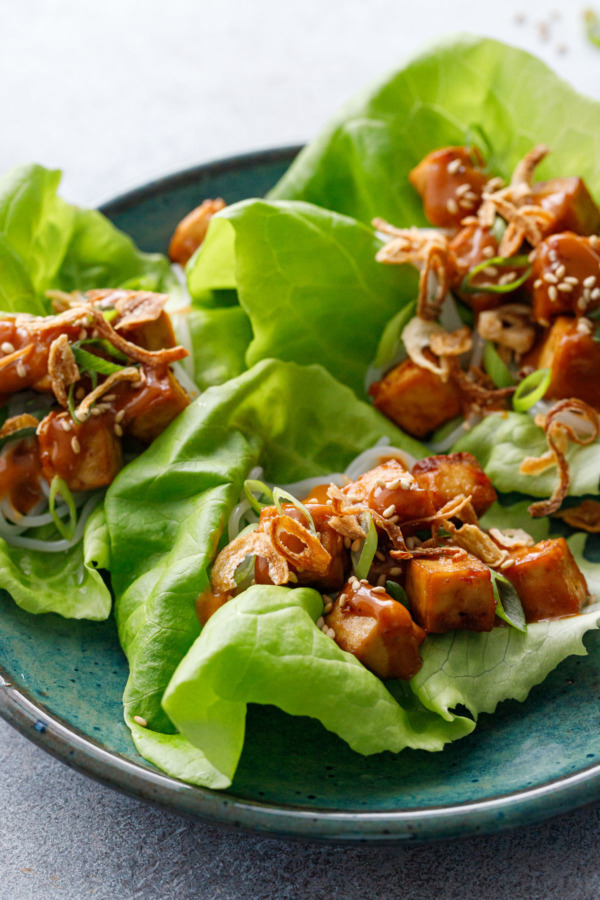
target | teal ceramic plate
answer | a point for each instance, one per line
(61, 684)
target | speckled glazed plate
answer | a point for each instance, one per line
(61, 684)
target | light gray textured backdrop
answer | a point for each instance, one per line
(116, 93)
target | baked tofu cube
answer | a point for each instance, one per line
(469, 248)
(377, 630)
(450, 182)
(457, 473)
(548, 580)
(451, 594)
(155, 335)
(417, 400)
(151, 408)
(569, 350)
(86, 456)
(391, 491)
(570, 203)
(565, 276)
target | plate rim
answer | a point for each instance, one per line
(421, 824)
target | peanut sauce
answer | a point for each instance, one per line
(208, 602)
(20, 474)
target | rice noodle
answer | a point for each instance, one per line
(42, 546)
(187, 383)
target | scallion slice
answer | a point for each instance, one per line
(279, 496)
(496, 368)
(58, 486)
(396, 591)
(253, 486)
(89, 362)
(508, 603)
(501, 262)
(531, 389)
(362, 559)
(21, 435)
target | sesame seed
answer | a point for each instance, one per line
(342, 601)
(582, 302)
(389, 511)
(395, 570)
(537, 283)
(352, 579)
(590, 281)
(378, 590)
(320, 622)
(394, 519)
(462, 189)
(453, 166)
(75, 445)
(82, 335)
(584, 326)
(452, 206)
(595, 293)
(561, 271)
(96, 411)
(550, 278)
(380, 556)
(552, 293)
(553, 256)
(108, 398)
(7, 347)
(490, 271)
(80, 393)
(21, 369)
(544, 322)
(95, 334)
(365, 582)
(507, 278)
(67, 425)
(410, 543)
(119, 415)
(594, 241)
(570, 279)
(118, 430)
(293, 577)
(355, 547)
(507, 564)
(531, 257)
(140, 721)
(327, 608)
(488, 251)
(564, 286)
(381, 581)
(472, 196)
(347, 542)
(331, 633)
(395, 484)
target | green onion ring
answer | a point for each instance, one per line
(501, 262)
(58, 486)
(362, 559)
(253, 484)
(279, 495)
(531, 390)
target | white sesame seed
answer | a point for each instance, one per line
(564, 286)
(590, 281)
(365, 582)
(21, 369)
(453, 166)
(140, 721)
(355, 547)
(394, 519)
(119, 415)
(82, 336)
(342, 601)
(378, 590)
(582, 302)
(395, 484)
(552, 293)
(584, 326)
(389, 511)
(380, 556)
(327, 608)
(452, 206)
(7, 347)
(80, 393)
(531, 257)
(487, 252)
(118, 430)
(381, 581)
(507, 278)
(553, 256)
(570, 279)
(331, 633)
(75, 445)
(320, 622)
(395, 570)
(561, 271)
(594, 241)
(410, 543)
(472, 196)
(507, 564)
(67, 425)
(595, 293)
(96, 411)
(352, 579)
(347, 542)
(462, 189)
(490, 271)
(550, 278)
(108, 398)
(537, 283)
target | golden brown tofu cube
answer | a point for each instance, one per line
(570, 203)
(155, 335)
(450, 182)
(573, 357)
(456, 473)
(417, 400)
(378, 630)
(469, 248)
(392, 492)
(548, 580)
(451, 594)
(152, 407)
(565, 276)
(86, 456)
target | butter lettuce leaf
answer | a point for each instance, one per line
(501, 443)
(359, 164)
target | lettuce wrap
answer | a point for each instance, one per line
(167, 514)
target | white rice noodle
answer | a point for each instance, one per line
(183, 377)
(301, 489)
(242, 514)
(60, 546)
(477, 351)
(178, 306)
(367, 460)
(446, 443)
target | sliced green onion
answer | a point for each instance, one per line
(466, 314)
(58, 486)
(252, 486)
(508, 603)
(106, 346)
(531, 389)
(89, 362)
(71, 405)
(362, 559)
(501, 262)
(244, 573)
(279, 495)
(396, 591)
(21, 435)
(592, 26)
(109, 315)
(496, 368)
(498, 228)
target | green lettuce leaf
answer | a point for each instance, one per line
(264, 647)
(167, 510)
(359, 164)
(220, 338)
(68, 583)
(501, 443)
(308, 281)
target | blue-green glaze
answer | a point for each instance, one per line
(64, 680)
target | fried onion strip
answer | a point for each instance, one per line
(313, 557)
(256, 543)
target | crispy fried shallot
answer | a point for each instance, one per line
(62, 368)
(472, 539)
(313, 557)
(134, 307)
(511, 538)
(510, 326)
(347, 526)
(16, 423)
(191, 231)
(568, 420)
(129, 374)
(585, 516)
(256, 543)
(452, 343)
(417, 337)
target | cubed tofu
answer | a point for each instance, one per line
(468, 249)
(570, 203)
(417, 400)
(85, 456)
(548, 580)
(457, 473)
(155, 335)
(565, 276)
(451, 594)
(450, 182)
(152, 407)
(392, 492)
(377, 630)
(573, 357)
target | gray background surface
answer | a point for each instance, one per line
(116, 93)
